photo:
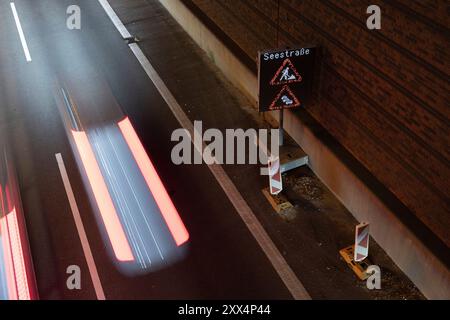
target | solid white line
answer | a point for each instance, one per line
(115, 19)
(81, 231)
(285, 272)
(21, 35)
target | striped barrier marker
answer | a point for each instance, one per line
(361, 242)
(275, 180)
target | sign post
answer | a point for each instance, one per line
(281, 127)
(285, 81)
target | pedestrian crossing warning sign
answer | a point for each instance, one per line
(295, 68)
(287, 73)
(285, 99)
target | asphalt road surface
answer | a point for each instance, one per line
(96, 66)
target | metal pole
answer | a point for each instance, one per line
(281, 127)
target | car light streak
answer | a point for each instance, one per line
(23, 291)
(105, 204)
(16, 273)
(159, 192)
(8, 260)
(7, 257)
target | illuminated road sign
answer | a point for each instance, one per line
(285, 78)
(284, 100)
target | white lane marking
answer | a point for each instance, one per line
(115, 19)
(21, 35)
(81, 231)
(283, 269)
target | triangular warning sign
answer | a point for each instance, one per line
(287, 73)
(285, 99)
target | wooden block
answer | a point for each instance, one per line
(359, 268)
(279, 202)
